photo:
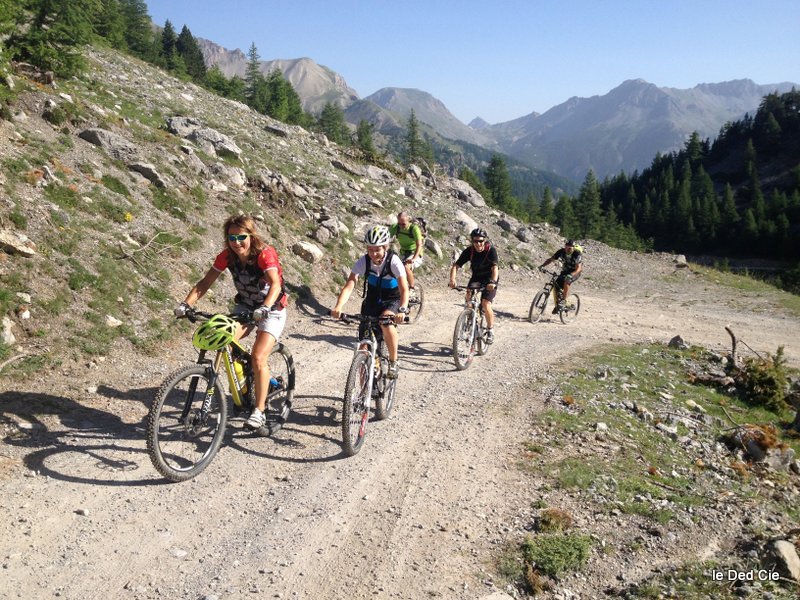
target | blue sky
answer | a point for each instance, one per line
(503, 59)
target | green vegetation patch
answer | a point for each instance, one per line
(554, 554)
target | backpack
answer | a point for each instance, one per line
(384, 270)
(422, 224)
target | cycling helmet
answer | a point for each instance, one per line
(569, 243)
(215, 334)
(478, 232)
(377, 236)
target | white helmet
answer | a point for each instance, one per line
(377, 236)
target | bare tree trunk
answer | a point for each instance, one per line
(733, 345)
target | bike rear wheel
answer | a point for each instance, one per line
(537, 306)
(572, 307)
(182, 438)
(416, 299)
(463, 340)
(383, 387)
(355, 408)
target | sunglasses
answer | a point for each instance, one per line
(478, 241)
(238, 237)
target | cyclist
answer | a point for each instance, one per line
(571, 266)
(387, 289)
(482, 256)
(258, 278)
(409, 238)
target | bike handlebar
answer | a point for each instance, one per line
(383, 320)
(464, 288)
(194, 316)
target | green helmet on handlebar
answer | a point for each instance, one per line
(215, 334)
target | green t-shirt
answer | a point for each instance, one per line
(407, 240)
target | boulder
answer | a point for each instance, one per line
(183, 126)
(6, 335)
(785, 559)
(467, 222)
(215, 142)
(434, 247)
(525, 235)
(16, 243)
(308, 251)
(505, 225)
(358, 171)
(149, 172)
(114, 145)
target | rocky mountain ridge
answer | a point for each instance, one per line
(621, 130)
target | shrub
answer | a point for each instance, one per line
(553, 554)
(765, 381)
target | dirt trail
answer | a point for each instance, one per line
(418, 513)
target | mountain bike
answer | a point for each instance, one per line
(367, 381)
(469, 336)
(567, 313)
(187, 419)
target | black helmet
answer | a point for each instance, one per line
(478, 232)
(569, 243)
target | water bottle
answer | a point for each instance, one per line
(240, 377)
(274, 384)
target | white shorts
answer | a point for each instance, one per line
(415, 263)
(273, 324)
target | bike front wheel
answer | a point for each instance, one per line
(416, 299)
(355, 408)
(463, 340)
(481, 347)
(186, 423)
(537, 306)
(383, 387)
(572, 306)
(281, 387)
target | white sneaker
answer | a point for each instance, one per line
(256, 421)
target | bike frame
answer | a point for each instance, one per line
(370, 351)
(475, 304)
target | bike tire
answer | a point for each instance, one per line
(355, 406)
(416, 302)
(481, 347)
(384, 398)
(463, 340)
(571, 309)
(537, 306)
(181, 448)
(279, 399)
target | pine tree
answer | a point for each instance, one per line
(168, 53)
(499, 184)
(587, 207)
(564, 216)
(364, 140)
(255, 88)
(110, 24)
(413, 150)
(216, 81)
(278, 103)
(189, 50)
(138, 33)
(54, 37)
(331, 123)
(546, 206)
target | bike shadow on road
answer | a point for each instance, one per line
(507, 316)
(425, 357)
(314, 420)
(103, 442)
